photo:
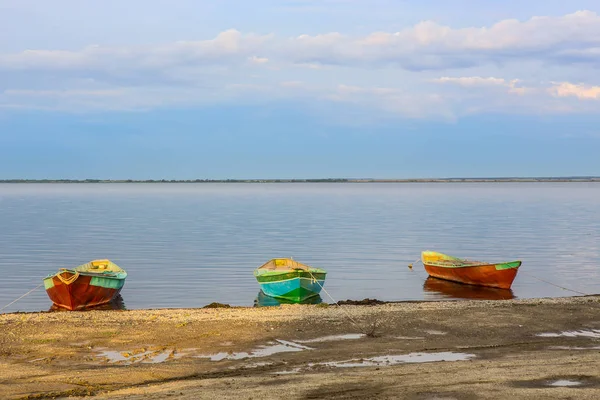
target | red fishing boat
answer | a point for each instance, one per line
(97, 282)
(497, 275)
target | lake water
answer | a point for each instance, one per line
(187, 245)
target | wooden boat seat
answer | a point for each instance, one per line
(283, 264)
(102, 267)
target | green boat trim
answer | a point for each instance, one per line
(468, 264)
(263, 276)
(508, 265)
(103, 273)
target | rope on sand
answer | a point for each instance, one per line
(26, 294)
(335, 301)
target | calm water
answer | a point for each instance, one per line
(187, 245)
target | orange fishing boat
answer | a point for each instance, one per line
(470, 272)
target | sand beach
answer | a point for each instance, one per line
(531, 348)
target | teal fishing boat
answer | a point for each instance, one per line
(288, 279)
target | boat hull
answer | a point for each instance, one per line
(295, 286)
(83, 292)
(489, 275)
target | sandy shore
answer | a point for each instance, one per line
(492, 350)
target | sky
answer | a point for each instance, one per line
(223, 89)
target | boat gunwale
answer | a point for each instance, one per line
(300, 267)
(447, 261)
(115, 272)
(105, 274)
(262, 272)
(449, 264)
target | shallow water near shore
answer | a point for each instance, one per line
(187, 245)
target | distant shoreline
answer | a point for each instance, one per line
(326, 180)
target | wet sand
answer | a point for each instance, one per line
(493, 350)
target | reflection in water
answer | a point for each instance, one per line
(116, 304)
(262, 300)
(455, 290)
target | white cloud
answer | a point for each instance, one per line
(581, 91)
(427, 45)
(65, 93)
(472, 81)
(448, 98)
(395, 101)
(228, 46)
(258, 60)
(422, 71)
(511, 86)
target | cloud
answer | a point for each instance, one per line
(426, 70)
(228, 46)
(426, 45)
(556, 89)
(65, 93)
(581, 91)
(394, 101)
(512, 85)
(258, 60)
(448, 99)
(472, 81)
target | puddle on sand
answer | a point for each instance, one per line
(289, 372)
(251, 366)
(145, 357)
(410, 337)
(573, 348)
(592, 333)
(434, 332)
(258, 364)
(564, 383)
(281, 346)
(400, 359)
(385, 361)
(349, 336)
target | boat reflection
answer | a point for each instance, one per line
(453, 290)
(116, 304)
(262, 300)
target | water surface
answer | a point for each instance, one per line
(187, 245)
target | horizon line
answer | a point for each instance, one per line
(591, 178)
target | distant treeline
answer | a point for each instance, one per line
(325, 180)
(167, 180)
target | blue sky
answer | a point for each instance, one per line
(298, 89)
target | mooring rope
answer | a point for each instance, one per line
(335, 301)
(26, 294)
(553, 284)
(410, 266)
